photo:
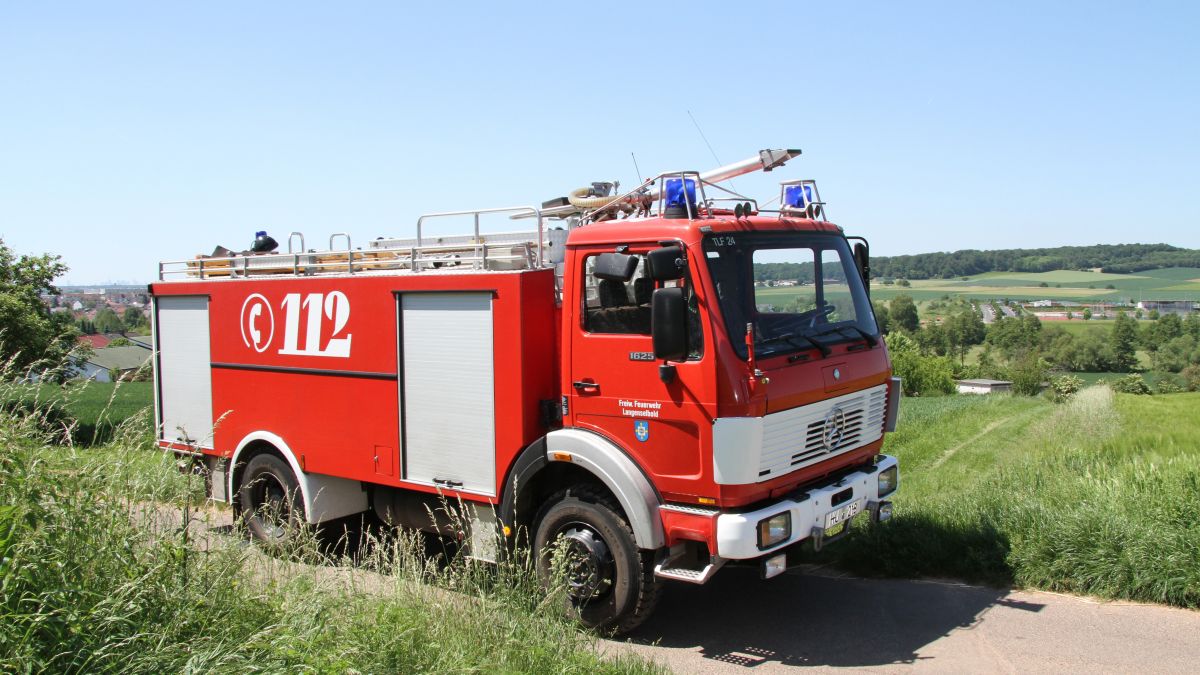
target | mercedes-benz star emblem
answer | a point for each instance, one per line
(835, 428)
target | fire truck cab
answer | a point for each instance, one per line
(660, 383)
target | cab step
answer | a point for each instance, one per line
(689, 575)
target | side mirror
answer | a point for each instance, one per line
(615, 267)
(666, 263)
(668, 324)
(862, 258)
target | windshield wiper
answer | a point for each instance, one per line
(789, 337)
(870, 339)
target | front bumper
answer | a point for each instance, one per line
(737, 533)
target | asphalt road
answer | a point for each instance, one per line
(822, 621)
(987, 311)
(739, 624)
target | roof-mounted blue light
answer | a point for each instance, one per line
(798, 196)
(679, 200)
(677, 189)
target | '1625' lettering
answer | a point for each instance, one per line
(316, 307)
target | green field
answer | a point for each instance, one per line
(93, 408)
(1098, 496)
(1177, 283)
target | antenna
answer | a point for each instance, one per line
(636, 169)
(710, 148)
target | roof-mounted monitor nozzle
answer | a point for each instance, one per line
(765, 161)
(593, 202)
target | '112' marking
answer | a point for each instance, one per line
(317, 306)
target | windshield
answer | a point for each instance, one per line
(800, 291)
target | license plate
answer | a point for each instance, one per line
(833, 518)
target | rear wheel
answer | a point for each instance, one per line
(609, 582)
(270, 501)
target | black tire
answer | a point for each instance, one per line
(270, 503)
(611, 584)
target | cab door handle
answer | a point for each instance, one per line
(586, 386)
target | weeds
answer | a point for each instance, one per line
(1095, 496)
(110, 561)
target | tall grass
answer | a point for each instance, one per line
(79, 412)
(110, 561)
(1096, 496)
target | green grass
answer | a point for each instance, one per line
(93, 409)
(1078, 326)
(1177, 283)
(1089, 379)
(1098, 496)
(97, 575)
(1174, 273)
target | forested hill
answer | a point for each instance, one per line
(1114, 258)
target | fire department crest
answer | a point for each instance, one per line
(641, 429)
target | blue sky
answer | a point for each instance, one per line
(131, 133)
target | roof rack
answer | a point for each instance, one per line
(475, 251)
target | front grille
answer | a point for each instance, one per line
(796, 438)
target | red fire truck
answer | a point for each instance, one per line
(662, 380)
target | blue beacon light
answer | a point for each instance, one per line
(676, 189)
(798, 196)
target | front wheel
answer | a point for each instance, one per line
(609, 582)
(270, 501)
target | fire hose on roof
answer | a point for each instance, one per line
(583, 198)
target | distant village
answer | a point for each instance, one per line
(115, 326)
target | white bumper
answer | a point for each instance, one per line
(737, 533)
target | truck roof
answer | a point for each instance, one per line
(654, 229)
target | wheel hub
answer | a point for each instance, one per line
(589, 567)
(271, 504)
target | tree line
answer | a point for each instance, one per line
(1026, 352)
(1112, 258)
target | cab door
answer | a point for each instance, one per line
(615, 387)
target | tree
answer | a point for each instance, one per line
(1177, 354)
(903, 313)
(1192, 325)
(1191, 378)
(133, 317)
(29, 332)
(1123, 340)
(933, 340)
(1027, 376)
(964, 329)
(1087, 313)
(882, 318)
(919, 375)
(107, 321)
(903, 282)
(1015, 337)
(1165, 328)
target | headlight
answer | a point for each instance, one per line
(775, 529)
(889, 480)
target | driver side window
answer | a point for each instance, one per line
(617, 307)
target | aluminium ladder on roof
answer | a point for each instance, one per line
(475, 251)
